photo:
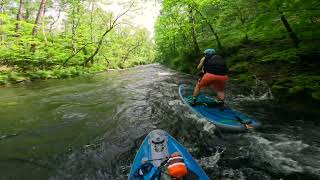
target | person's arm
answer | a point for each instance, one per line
(200, 65)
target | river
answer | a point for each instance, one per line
(90, 127)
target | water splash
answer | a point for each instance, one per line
(261, 90)
(280, 155)
(211, 161)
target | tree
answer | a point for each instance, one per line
(289, 29)
(77, 39)
(194, 5)
(19, 17)
(112, 24)
(38, 21)
(280, 7)
(193, 32)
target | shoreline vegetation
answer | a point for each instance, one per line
(60, 39)
(277, 41)
(8, 76)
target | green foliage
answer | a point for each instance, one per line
(240, 67)
(288, 55)
(3, 79)
(275, 40)
(54, 73)
(63, 45)
(40, 74)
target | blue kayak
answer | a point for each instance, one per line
(151, 159)
(207, 107)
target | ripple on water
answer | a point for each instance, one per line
(117, 109)
(282, 155)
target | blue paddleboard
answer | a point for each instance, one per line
(226, 120)
(152, 156)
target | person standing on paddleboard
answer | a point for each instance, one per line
(215, 72)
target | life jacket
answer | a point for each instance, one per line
(215, 65)
(177, 168)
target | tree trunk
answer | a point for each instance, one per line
(173, 47)
(108, 62)
(128, 53)
(291, 33)
(90, 59)
(193, 32)
(75, 24)
(73, 29)
(91, 21)
(111, 26)
(1, 22)
(38, 22)
(215, 35)
(19, 18)
(65, 62)
(55, 20)
(211, 28)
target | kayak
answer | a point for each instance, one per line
(225, 119)
(151, 160)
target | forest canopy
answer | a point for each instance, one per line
(274, 40)
(63, 38)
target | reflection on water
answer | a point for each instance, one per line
(91, 127)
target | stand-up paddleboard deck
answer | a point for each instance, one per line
(207, 107)
(156, 148)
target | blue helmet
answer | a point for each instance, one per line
(209, 52)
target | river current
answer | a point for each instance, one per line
(90, 127)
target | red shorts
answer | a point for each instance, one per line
(216, 82)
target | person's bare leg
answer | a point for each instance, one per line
(195, 94)
(220, 95)
(196, 90)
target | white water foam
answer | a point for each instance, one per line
(265, 96)
(261, 91)
(165, 73)
(207, 126)
(211, 161)
(279, 155)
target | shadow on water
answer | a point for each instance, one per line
(91, 127)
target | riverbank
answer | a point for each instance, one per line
(276, 42)
(291, 73)
(12, 75)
